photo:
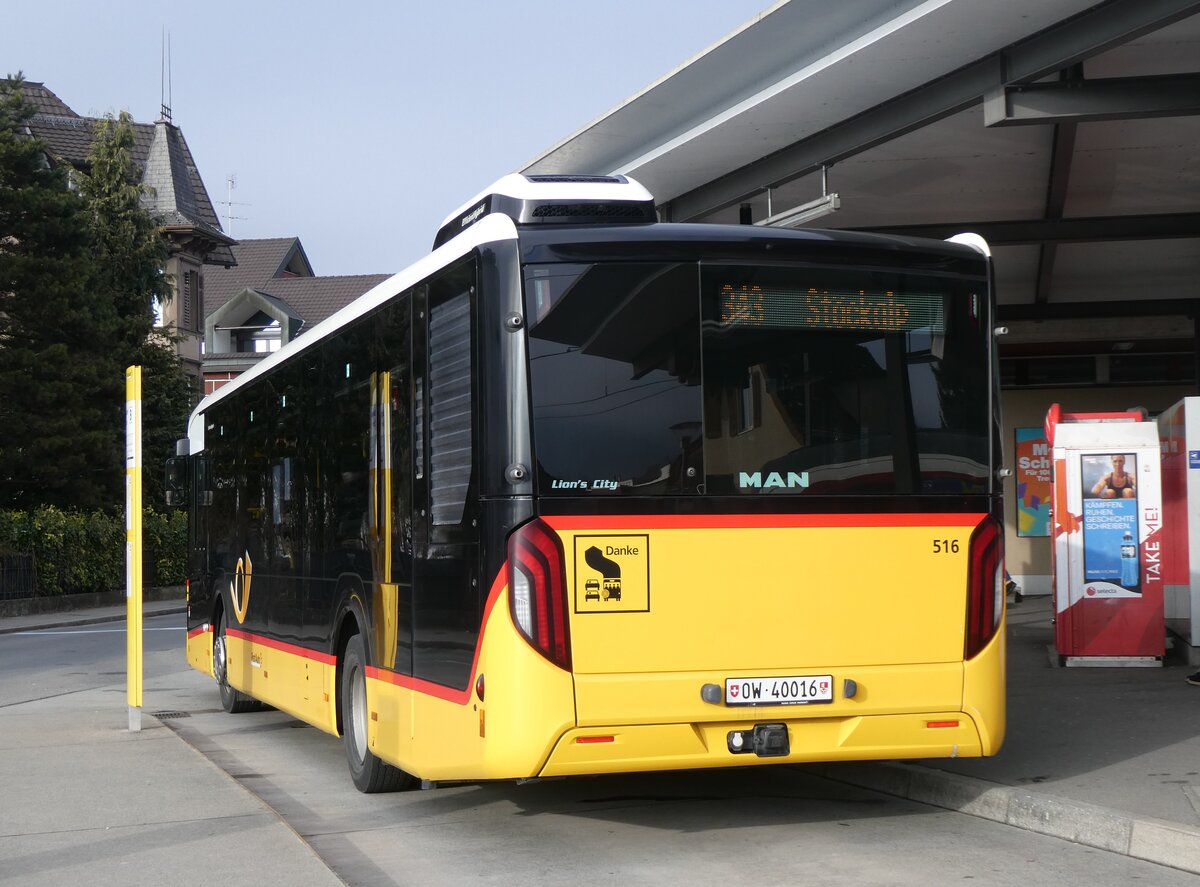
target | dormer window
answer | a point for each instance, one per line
(259, 334)
(266, 339)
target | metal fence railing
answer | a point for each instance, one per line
(18, 576)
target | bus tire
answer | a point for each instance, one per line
(369, 773)
(233, 701)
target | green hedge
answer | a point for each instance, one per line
(81, 552)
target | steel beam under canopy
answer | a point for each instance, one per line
(1101, 229)
(1076, 39)
(1082, 101)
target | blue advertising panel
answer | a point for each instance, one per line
(1110, 520)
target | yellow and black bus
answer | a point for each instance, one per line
(583, 492)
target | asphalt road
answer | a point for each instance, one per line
(771, 825)
(41, 664)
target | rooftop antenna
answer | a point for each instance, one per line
(229, 203)
(165, 96)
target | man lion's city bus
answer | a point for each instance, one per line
(581, 492)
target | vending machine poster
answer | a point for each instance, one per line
(1110, 521)
(1035, 482)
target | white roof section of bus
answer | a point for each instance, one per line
(516, 185)
(492, 229)
(793, 80)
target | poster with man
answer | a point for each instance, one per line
(1110, 521)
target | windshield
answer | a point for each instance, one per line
(731, 379)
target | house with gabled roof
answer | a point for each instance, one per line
(269, 297)
(173, 192)
(234, 302)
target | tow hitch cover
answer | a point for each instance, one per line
(765, 740)
(771, 740)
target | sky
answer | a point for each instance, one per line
(358, 127)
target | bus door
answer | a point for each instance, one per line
(447, 596)
(391, 525)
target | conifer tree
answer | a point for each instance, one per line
(56, 358)
(80, 271)
(129, 253)
(128, 250)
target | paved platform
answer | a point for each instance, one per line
(85, 801)
(1106, 757)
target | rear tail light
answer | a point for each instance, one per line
(985, 586)
(537, 590)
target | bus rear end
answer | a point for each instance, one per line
(767, 522)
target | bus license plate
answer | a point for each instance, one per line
(795, 690)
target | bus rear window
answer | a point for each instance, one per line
(614, 352)
(833, 380)
(752, 380)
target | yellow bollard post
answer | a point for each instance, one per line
(133, 545)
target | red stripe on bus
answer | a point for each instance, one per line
(418, 685)
(196, 632)
(305, 652)
(758, 521)
(428, 688)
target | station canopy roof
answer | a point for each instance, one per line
(1063, 131)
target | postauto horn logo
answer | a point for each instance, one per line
(239, 588)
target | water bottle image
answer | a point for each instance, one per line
(1129, 561)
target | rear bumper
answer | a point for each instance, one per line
(643, 747)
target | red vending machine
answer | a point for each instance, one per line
(1108, 539)
(1179, 437)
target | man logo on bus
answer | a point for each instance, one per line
(773, 480)
(608, 569)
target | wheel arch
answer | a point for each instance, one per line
(351, 620)
(217, 594)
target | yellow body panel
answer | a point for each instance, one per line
(778, 598)
(690, 746)
(673, 698)
(199, 650)
(528, 704)
(390, 722)
(883, 606)
(283, 677)
(984, 690)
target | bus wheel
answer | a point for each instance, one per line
(370, 774)
(231, 700)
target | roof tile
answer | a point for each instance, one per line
(259, 266)
(68, 136)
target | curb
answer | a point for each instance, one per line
(206, 750)
(72, 621)
(1153, 840)
(14, 608)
